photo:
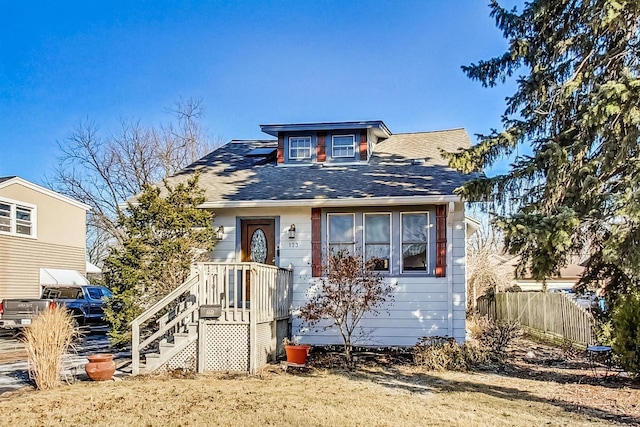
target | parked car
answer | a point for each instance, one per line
(86, 303)
(561, 291)
(586, 299)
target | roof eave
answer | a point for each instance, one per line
(274, 129)
(43, 190)
(319, 202)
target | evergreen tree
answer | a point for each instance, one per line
(577, 105)
(164, 234)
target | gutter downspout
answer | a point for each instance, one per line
(450, 268)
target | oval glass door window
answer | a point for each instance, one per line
(259, 246)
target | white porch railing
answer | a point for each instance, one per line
(246, 293)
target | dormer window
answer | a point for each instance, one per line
(343, 146)
(300, 147)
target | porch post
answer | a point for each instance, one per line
(253, 324)
(135, 350)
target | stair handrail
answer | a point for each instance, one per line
(173, 295)
(136, 346)
(179, 318)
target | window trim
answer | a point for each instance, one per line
(291, 157)
(13, 218)
(402, 243)
(353, 146)
(390, 242)
(353, 231)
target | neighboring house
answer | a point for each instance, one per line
(353, 185)
(42, 239)
(566, 278)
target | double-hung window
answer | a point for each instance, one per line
(300, 147)
(16, 218)
(5, 217)
(377, 240)
(24, 223)
(343, 146)
(415, 241)
(341, 232)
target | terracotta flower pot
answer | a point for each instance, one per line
(297, 354)
(101, 367)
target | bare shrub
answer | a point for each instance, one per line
(350, 290)
(47, 339)
(494, 336)
(445, 354)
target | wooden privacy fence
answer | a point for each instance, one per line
(552, 314)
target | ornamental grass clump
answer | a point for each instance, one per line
(47, 340)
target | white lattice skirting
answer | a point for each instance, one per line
(225, 347)
(186, 359)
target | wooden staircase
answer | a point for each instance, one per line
(166, 336)
(167, 350)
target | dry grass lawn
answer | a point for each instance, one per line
(374, 396)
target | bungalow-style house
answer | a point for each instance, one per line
(42, 239)
(288, 201)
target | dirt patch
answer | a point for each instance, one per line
(603, 389)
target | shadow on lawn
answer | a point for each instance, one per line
(609, 378)
(549, 368)
(425, 383)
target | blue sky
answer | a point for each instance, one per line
(252, 63)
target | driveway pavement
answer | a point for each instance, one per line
(14, 373)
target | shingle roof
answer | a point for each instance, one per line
(6, 178)
(403, 165)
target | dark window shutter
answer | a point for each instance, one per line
(321, 149)
(363, 145)
(441, 241)
(280, 148)
(316, 243)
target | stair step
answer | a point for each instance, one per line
(180, 336)
(166, 347)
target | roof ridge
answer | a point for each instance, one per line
(431, 131)
(237, 141)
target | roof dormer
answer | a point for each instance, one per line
(335, 143)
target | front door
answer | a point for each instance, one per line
(258, 243)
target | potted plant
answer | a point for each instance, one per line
(296, 353)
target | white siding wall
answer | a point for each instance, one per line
(423, 305)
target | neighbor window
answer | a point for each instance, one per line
(23, 220)
(415, 241)
(341, 231)
(5, 217)
(300, 147)
(343, 146)
(16, 218)
(377, 240)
